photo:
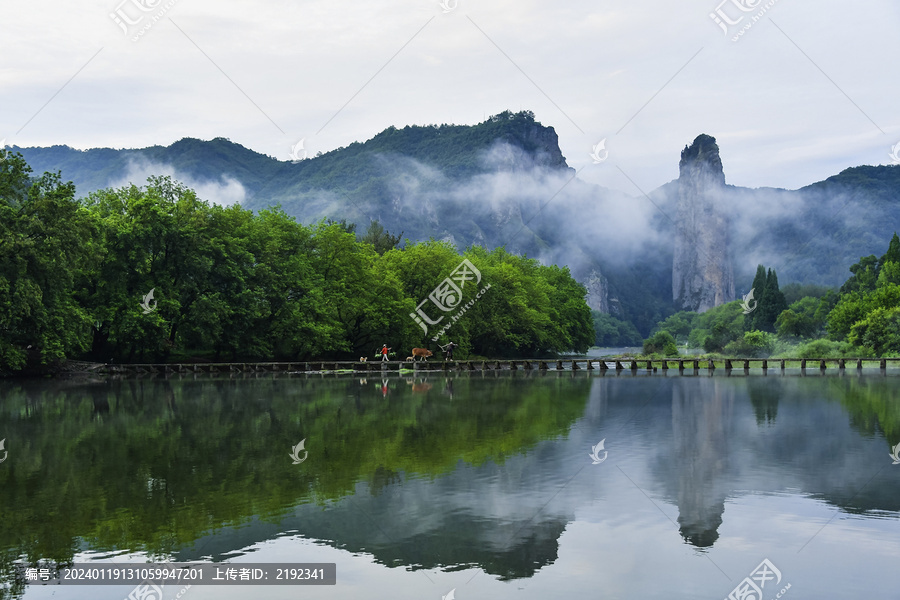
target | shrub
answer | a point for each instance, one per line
(661, 342)
(754, 344)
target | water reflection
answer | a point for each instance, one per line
(423, 472)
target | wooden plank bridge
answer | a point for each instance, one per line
(569, 364)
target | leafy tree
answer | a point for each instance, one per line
(46, 246)
(865, 276)
(76, 277)
(805, 318)
(879, 330)
(610, 331)
(679, 325)
(661, 342)
(718, 326)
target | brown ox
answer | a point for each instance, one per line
(424, 353)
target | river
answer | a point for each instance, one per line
(482, 485)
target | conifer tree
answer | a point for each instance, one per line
(893, 253)
(771, 304)
(759, 285)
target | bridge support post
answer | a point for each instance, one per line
(512, 366)
(559, 366)
(822, 365)
(746, 364)
(590, 366)
(575, 366)
(619, 366)
(727, 364)
(883, 364)
(634, 365)
(543, 365)
(803, 364)
(859, 363)
(842, 364)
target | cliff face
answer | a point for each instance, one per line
(702, 273)
(597, 291)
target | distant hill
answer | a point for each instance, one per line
(506, 182)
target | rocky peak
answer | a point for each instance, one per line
(702, 159)
(702, 273)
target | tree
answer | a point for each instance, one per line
(892, 254)
(771, 304)
(661, 342)
(46, 247)
(679, 325)
(610, 331)
(751, 321)
(879, 330)
(380, 238)
(865, 275)
(805, 318)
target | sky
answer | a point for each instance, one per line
(805, 91)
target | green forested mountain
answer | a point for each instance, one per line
(505, 182)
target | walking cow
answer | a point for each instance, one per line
(422, 353)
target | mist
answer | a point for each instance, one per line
(227, 191)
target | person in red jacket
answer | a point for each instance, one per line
(384, 353)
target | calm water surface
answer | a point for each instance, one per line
(480, 483)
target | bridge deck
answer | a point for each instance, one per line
(568, 364)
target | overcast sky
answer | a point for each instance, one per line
(809, 89)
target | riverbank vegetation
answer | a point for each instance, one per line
(861, 319)
(76, 278)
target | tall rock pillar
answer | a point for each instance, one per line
(702, 273)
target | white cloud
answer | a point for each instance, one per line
(225, 192)
(335, 71)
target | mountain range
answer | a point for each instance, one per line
(690, 244)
